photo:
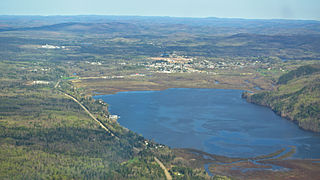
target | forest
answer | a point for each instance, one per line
(297, 97)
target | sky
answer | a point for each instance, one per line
(249, 9)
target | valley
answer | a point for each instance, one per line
(46, 134)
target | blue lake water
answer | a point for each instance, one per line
(216, 121)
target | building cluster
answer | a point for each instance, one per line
(94, 63)
(172, 65)
(47, 46)
(40, 82)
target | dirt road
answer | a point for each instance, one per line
(168, 176)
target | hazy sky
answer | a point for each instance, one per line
(266, 9)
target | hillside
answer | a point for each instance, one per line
(296, 98)
(83, 28)
(127, 37)
(45, 134)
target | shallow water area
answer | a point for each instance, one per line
(216, 121)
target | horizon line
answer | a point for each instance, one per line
(191, 17)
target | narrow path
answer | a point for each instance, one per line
(87, 111)
(91, 115)
(55, 86)
(168, 176)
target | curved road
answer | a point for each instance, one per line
(91, 115)
(168, 176)
(87, 111)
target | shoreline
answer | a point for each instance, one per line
(279, 113)
(280, 161)
(277, 161)
(141, 91)
(94, 93)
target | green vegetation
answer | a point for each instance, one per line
(301, 71)
(297, 97)
(46, 135)
(68, 78)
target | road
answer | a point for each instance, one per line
(87, 111)
(55, 86)
(168, 176)
(91, 115)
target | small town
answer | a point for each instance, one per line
(179, 64)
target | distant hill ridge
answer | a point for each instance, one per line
(214, 25)
(80, 27)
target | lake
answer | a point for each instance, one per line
(216, 121)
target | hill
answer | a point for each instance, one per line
(296, 98)
(45, 134)
(76, 27)
(152, 36)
